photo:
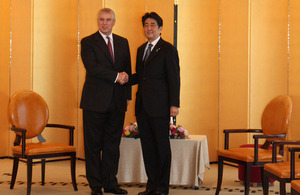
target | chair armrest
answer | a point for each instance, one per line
(269, 136)
(274, 151)
(71, 131)
(61, 126)
(13, 128)
(281, 144)
(242, 131)
(17, 140)
(228, 131)
(293, 150)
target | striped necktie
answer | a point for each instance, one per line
(148, 52)
(110, 48)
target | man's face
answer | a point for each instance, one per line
(151, 29)
(106, 23)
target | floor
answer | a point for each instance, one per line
(58, 181)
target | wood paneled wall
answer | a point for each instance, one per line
(294, 66)
(4, 74)
(233, 69)
(268, 55)
(45, 49)
(198, 41)
(235, 56)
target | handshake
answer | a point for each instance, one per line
(122, 78)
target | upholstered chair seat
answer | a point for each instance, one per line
(43, 148)
(247, 154)
(282, 169)
(295, 185)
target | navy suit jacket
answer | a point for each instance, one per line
(158, 79)
(99, 88)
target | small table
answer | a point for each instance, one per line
(189, 159)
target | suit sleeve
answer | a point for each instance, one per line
(93, 67)
(128, 70)
(173, 74)
(133, 79)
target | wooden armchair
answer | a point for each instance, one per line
(274, 122)
(284, 172)
(28, 114)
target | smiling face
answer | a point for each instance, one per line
(106, 22)
(151, 29)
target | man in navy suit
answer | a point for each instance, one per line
(157, 98)
(104, 100)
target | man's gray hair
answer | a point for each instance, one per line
(107, 10)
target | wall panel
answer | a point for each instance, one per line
(55, 61)
(269, 29)
(198, 53)
(294, 67)
(21, 48)
(233, 83)
(21, 54)
(4, 74)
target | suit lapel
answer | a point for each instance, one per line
(116, 43)
(139, 60)
(102, 45)
(141, 53)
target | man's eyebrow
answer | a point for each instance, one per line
(150, 23)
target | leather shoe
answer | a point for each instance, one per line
(159, 193)
(115, 190)
(147, 192)
(97, 191)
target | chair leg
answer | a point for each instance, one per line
(43, 171)
(265, 182)
(73, 171)
(29, 175)
(282, 188)
(247, 178)
(14, 172)
(220, 175)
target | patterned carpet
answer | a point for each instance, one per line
(58, 181)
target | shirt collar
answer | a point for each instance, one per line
(153, 42)
(104, 36)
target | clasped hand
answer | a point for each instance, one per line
(122, 78)
(174, 111)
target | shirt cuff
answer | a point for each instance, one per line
(116, 78)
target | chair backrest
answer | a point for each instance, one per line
(277, 115)
(28, 110)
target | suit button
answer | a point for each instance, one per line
(143, 78)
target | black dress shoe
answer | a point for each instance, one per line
(147, 192)
(115, 190)
(97, 192)
(159, 193)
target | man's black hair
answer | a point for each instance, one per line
(153, 15)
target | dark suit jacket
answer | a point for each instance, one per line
(158, 79)
(99, 88)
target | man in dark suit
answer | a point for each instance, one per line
(105, 95)
(157, 98)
